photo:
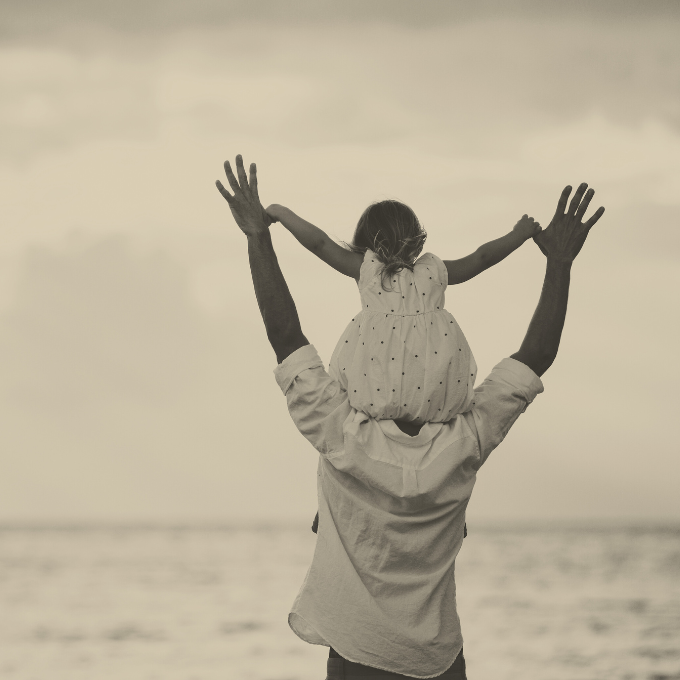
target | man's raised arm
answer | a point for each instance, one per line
(276, 304)
(560, 242)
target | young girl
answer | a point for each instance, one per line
(403, 357)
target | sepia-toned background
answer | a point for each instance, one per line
(135, 377)
(136, 383)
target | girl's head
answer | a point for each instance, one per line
(392, 231)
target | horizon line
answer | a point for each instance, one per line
(594, 524)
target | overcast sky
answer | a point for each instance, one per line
(136, 380)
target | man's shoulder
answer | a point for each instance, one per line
(515, 376)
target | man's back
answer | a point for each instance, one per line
(381, 588)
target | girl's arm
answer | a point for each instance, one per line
(318, 242)
(491, 253)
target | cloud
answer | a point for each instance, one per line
(92, 323)
(130, 391)
(43, 16)
(458, 86)
(52, 99)
(123, 399)
(134, 374)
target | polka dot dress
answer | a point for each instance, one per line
(404, 357)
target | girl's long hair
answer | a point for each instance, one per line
(392, 231)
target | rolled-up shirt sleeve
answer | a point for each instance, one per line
(500, 400)
(316, 403)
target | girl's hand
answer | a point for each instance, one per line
(273, 212)
(527, 227)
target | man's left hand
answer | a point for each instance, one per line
(245, 203)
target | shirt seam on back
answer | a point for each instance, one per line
(424, 467)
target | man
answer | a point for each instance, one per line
(392, 495)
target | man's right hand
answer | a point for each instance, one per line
(564, 237)
(245, 203)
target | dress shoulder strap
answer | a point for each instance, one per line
(369, 268)
(435, 263)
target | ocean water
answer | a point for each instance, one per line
(209, 603)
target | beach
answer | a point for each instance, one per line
(202, 603)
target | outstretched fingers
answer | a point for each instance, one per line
(573, 206)
(584, 204)
(253, 180)
(598, 213)
(562, 203)
(231, 178)
(240, 171)
(227, 196)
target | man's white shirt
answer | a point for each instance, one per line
(381, 588)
